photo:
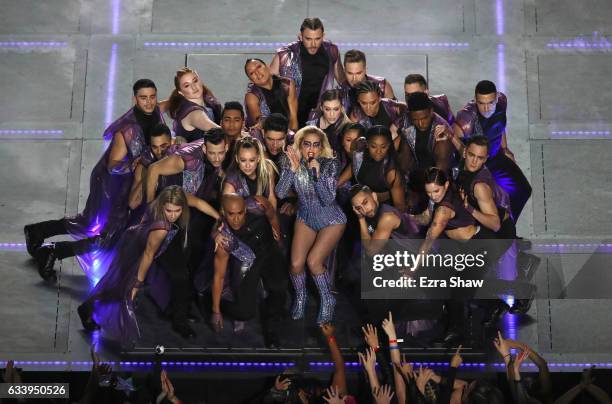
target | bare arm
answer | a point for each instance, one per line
(397, 190)
(504, 146)
(118, 151)
(487, 211)
(339, 72)
(442, 152)
(346, 175)
(201, 205)
(153, 243)
(339, 378)
(167, 166)
(274, 65)
(135, 198)
(221, 261)
(292, 102)
(228, 188)
(422, 219)
(271, 194)
(387, 223)
(389, 91)
(441, 217)
(253, 108)
(198, 119)
(457, 136)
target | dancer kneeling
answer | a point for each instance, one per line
(160, 239)
(245, 242)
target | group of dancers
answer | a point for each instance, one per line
(320, 157)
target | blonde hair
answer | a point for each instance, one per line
(265, 167)
(326, 150)
(175, 195)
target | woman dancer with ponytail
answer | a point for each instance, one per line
(193, 106)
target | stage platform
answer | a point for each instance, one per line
(67, 71)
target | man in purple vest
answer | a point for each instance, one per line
(106, 212)
(312, 63)
(416, 83)
(486, 115)
(356, 72)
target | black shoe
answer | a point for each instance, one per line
(45, 257)
(523, 244)
(85, 314)
(522, 306)
(527, 264)
(33, 240)
(494, 314)
(184, 330)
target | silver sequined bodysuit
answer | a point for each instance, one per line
(317, 206)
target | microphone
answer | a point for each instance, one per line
(313, 171)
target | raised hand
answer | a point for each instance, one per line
(167, 387)
(423, 376)
(282, 385)
(389, 327)
(370, 334)
(368, 360)
(294, 158)
(501, 345)
(456, 360)
(327, 329)
(517, 363)
(405, 368)
(333, 396)
(383, 394)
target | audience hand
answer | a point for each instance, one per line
(456, 360)
(389, 327)
(383, 394)
(370, 334)
(333, 396)
(423, 376)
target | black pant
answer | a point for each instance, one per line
(510, 177)
(174, 262)
(270, 267)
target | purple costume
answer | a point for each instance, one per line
(462, 217)
(212, 108)
(395, 111)
(290, 64)
(264, 108)
(317, 206)
(112, 295)
(408, 228)
(106, 209)
(409, 136)
(349, 99)
(442, 107)
(505, 171)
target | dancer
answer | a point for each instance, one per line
(486, 115)
(192, 106)
(426, 144)
(374, 110)
(490, 206)
(331, 118)
(232, 123)
(312, 63)
(310, 170)
(250, 173)
(159, 240)
(451, 217)
(268, 93)
(356, 72)
(416, 83)
(247, 238)
(374, 164)
(106, 211)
